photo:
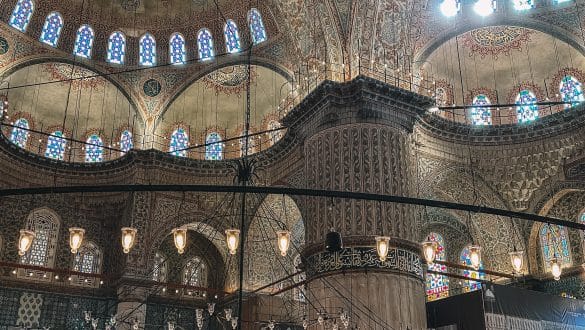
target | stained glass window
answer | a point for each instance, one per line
(21, 14)
(94, 149)
(571, 91)
(437, 285)
(126, 142)
(147, 50)
(526, 109)
(45, 225)
(232, 37)
(56, 145)
(465, 259)
(19, 134)
(177, 51)
(52, 29)
(84, 41)
(256, 26)
(87, 259)
(582, 218)
(116, 48)
(523, 4)
(159, 271)
(205, 44)
(274, 135)
(481, 116)
(554, 242)
(179, 141)
(213, 148)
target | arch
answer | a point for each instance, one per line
(147, 50)
(195, 273)
(116, 48)
(213, 147)
(94, 149)
(571, 90)
(45, 223)
(554, 242)
(87, 260)
(177, 49)
(179, 142)
(205, 44)
(526, 110)
(470, 285)
(257, 29)
(159, 270)
(232, 37)
(481, 116)
(437, 285)
(19, 135)
(126, 142)
(56, 145)
(22, 14)
(84, 41)
(52, 29)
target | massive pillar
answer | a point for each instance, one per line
(358, 137)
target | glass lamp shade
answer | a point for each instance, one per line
(232, 237)
(555, 269)
(76, 238)
(25, 241)
(382, 246)
(283, 241)
(234, 322)
(429, 251)
(128, 238)
(228, 313)
(180, 237)
(517, 260)
(475, 256)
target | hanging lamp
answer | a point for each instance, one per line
(180, 238)
(25, 241)
(76, 238)
(128, 238)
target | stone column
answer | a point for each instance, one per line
(358, 137)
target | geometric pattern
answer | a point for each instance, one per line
(56, 146)
(465, 259)
(126, 143)
(526, 110)
(177, 52)
(256, 26)
(84, 42)
(213, 148)
(52, 29)
(147, 50)
(22, 14)
(205, 43)
(29, 311)
(481, 116)
(94, 150)
(19, 134)
(571, 91)
(116, 48)
(232, 37)
(554, 244)
(437, 285)
(179, 142)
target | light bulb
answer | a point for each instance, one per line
(180, 237)
(429, 251)
(76, 238)
(228, 313)
(555, 269)
(128, 238)
(382, 246)
(283, 241)
(25, 241)
(449, 8)
(484, 7)
(475, 256)
(517, 260)
(232, 238)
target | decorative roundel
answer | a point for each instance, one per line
(3, 46)
(151, 87)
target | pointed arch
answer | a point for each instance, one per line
(205, 44)
(481, 116)
(232, 37)
(526, 110)
(257, 29)
(56, 145)
(437, 285)
(94, 149)
(177, 49)
(52, 29)
(179, 142)
(213, 147)
(147, 51)
(22, 14)
(87, 260)
(84, 41)
(45, 223)
(19, 135)
(116, 48)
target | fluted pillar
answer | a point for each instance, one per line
(358, 137)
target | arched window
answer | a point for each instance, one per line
(299, 293)
(274, 135)
(251, 144)
(94, 149)
(84, 41)
(232, 37)
(465, 259)
(213, 148)
(195, 274)
(571, 91)
(159, 270)
(87, 260)
(437, 285)
(526, 110)
(179, 142)
(147, 50)
(481, 116)
(52, 29)
(45, 224)
(554, 242)
(256, 26)
(205, 44)
(177, 51)
(126, 143)
(523, 4)
(56, 145)
(21, 14)
(116, 48)
(19, 134)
